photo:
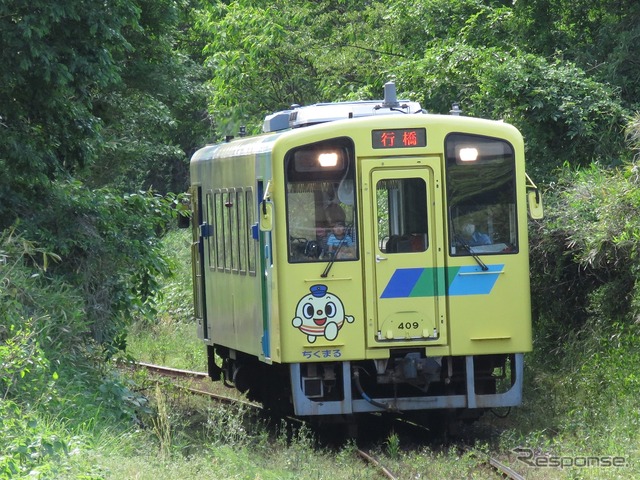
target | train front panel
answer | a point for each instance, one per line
(405, 263)
(369, 264)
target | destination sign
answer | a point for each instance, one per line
(399, 138)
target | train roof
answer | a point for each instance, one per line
(298, 116)
(279, 123)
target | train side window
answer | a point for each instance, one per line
(402, 215)
(211, 239)
(219, 230)
(242, 232)
(320, 179)
(232, 207)
(196, 265)
(481, 195)
(251, 257)
(226, 225)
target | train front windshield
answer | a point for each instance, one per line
(321, 211)
(481, 195)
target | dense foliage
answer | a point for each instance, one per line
(101, 105)
(586, 252)
(274, 54)
(97, 102)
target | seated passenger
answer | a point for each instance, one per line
(339, 242)
(474, 238)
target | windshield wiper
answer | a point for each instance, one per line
(468, 248)
(333, 258)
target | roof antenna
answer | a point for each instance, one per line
(390, 98)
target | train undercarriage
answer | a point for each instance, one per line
(406, 382)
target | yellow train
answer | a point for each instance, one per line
(366, 256)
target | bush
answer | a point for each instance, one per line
(584, 256)
(53, 379)
(108, 245)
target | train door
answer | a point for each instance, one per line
(266, 264)
(200, 232)
(405, 264)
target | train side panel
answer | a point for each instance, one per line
(234, 292)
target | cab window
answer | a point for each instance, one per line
(321, 211)
(481, 195)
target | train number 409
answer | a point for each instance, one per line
(408, 326)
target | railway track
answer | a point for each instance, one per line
(504, 471)
(486, 461)
(200, 382)
(199, 378)
(171, 372)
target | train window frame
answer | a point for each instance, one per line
(330, 199)
(210, 219)
(481, 218)
(242, 231)
(219, 229)
(233, 214)
(402, 215)
(196, 259)
(228, 233)
(251, 243)
(232, 207)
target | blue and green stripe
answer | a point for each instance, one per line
(432, 282)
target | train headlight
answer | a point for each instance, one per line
(328, 160)
(468, 154)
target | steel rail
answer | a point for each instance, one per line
(384, 470)
(170, 372)
(200, 376)
(504, 469)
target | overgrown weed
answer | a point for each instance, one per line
(171, 339)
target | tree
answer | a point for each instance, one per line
(95, 92)
(156, 116)
(565, 116)
(108, 251)
(265, 56)
(55, 57)
(602, 37)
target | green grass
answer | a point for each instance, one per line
(171, 338)
(580, 404)
(167, 342)
(189, 438)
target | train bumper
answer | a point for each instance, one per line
(353, 402)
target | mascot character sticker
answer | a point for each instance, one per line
(320, 314)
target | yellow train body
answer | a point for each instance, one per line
(422, 280)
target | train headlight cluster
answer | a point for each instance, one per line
(328, 160)
(468, 154)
